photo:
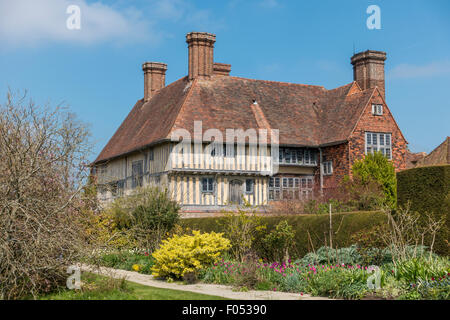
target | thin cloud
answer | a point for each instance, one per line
(186, 13)
(32, 23)
(409, 71)
(25, 23)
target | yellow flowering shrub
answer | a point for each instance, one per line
(183, 254)
(102, 229)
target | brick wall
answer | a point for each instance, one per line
(384, 123)
(339, 156)
(344, 155)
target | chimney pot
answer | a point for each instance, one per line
(154, 78)
(201, 54)
(368, 70)
(221, 69)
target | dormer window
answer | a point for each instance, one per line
(377, 109)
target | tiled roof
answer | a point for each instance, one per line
(412, 159)
(305, 115)
(439, 156)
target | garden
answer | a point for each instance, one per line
(384, 237)
(384, 254)
(400, 272)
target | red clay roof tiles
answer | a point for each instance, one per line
(305, 115)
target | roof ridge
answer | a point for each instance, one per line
(340, 87)
(279, 82)
(260, 117)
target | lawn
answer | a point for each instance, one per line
(96, 287)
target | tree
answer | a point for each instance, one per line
(149, 213)
(375, 169)
(43, 158)
(280, 240)
(242, 228)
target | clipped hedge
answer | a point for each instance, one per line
(427, 189)
(346, 224)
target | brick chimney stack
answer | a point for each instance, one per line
(154, 78)
(201, 54)
(368, 70)
(221, 69)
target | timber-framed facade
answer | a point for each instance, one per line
(320, 133)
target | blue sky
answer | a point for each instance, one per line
(97, 70)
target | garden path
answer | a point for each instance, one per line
(209, 289)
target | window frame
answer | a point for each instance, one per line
(151, 155)
(376, 145)
(137, 179)
(213, 184)
(301, 187)
(297, 156)
(327, 168)
(252, 186)
(377, 109)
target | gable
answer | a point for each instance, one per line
(377, 123)
(148, 122)
(305, 115)
(440, 155)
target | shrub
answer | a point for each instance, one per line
(371, 246)
(406, 229)
(279, 241)
(427, 190)
(242, 228)
(309, 229)
(149, 213)
(370, 173)
(43, 152)
(102, 230)
(188, 253)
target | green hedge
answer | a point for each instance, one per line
(427, 189)
(346, 224)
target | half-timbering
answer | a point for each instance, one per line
(320, 133)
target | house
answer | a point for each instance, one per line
(289, 141)
(412, 159)
(439, 156)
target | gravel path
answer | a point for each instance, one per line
(209, 289)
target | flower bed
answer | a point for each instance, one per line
(338, 280)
